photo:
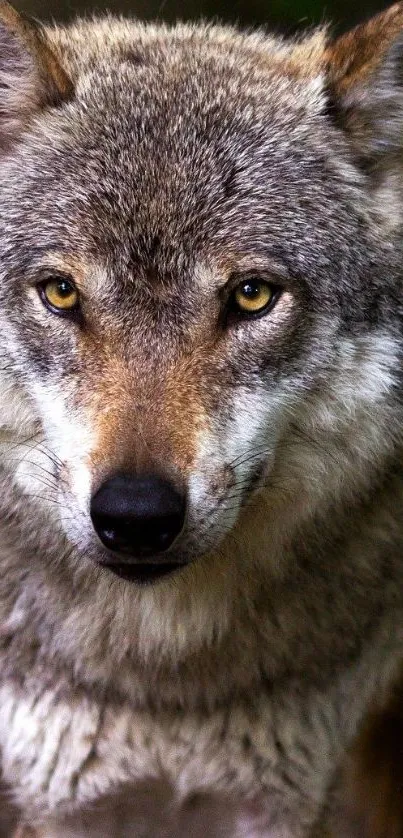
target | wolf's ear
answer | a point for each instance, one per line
(365, 79)
(30, 75)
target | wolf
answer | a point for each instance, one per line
(201, 479)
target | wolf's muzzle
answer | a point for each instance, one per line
(138, 518)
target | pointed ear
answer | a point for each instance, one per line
(30, 75)
(365, 79)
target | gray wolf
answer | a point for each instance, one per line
(201, 485)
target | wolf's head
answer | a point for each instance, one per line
(200, 270)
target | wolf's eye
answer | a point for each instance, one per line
(253, 296)
(59, 295)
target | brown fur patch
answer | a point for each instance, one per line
(54, 82)
(357, 54)
(306, 60)
(145, 428)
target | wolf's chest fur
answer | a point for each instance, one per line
(256, 767)
(201, 489)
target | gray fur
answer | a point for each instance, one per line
(173, 160)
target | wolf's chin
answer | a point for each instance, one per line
(144, 574)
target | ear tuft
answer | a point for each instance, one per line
(30, 75)
(355, 56)
(365, 82)
(365, 79)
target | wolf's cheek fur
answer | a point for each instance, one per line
(18, 417)
(273, 438)
(80, 447)
(137, 415)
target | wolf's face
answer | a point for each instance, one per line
(197, 295)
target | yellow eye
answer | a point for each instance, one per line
(253, 295)
(60, 295)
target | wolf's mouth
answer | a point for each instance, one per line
(143, 574)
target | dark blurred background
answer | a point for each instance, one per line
(285, 16)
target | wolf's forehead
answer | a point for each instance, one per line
(173, 152)
(200, 100)
(176, 154)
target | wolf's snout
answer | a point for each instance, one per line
(138, 516)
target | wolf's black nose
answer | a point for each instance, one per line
(138, 516)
